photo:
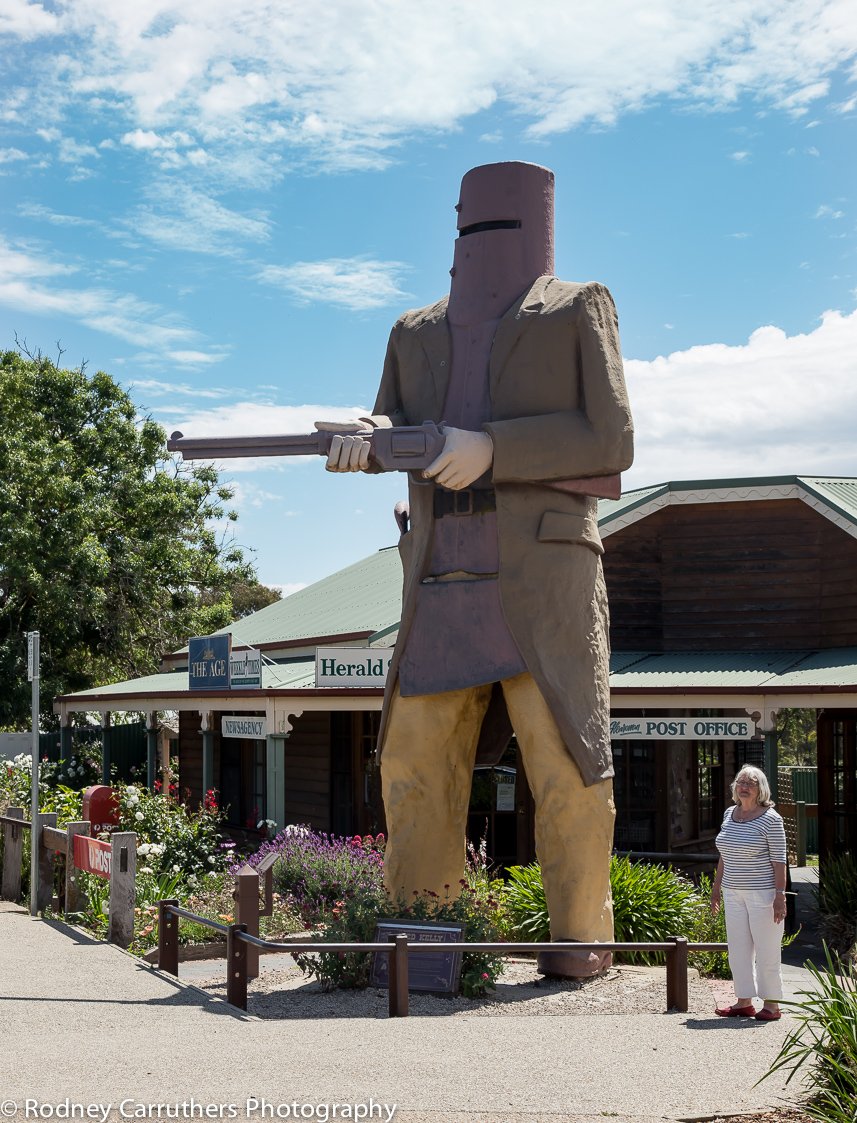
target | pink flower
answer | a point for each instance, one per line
(484, 975)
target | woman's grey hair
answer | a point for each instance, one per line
(764, 796)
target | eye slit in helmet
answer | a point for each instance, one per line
(498, 224)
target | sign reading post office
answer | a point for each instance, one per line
(352, 666)
(208, 662)
(681, 729)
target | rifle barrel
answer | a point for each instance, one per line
(217, 448)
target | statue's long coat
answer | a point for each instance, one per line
(559, 411)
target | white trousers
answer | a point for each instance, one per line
(755, 942)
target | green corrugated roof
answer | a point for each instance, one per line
(838, 492)
(364, 597)
(297, 674)
(640, 670)
(738, 669)
(824, 668)
(609, 509)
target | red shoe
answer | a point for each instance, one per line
(768, 1015)
(737, 1012)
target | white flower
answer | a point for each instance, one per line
(139, 816)
(177, 869)
(211, 859)
(146, 869)
(144, 848)
(131, 790)
(105, 907)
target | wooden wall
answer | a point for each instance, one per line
(308, 771)
(720, 576)
(190, 755)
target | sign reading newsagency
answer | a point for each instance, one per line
(244, 728)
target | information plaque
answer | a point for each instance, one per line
(430, 973)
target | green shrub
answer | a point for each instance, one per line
(352, 920)
(525, 899)
(836, 904)
(650, 903)
(836, 892)
(823, 1047)
(708, 928)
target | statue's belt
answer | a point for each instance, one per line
(468, 501)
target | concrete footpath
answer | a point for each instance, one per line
(82, 1020)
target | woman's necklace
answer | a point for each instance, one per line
(738, 814)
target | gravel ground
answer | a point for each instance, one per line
(284, 992)
(85, 1021)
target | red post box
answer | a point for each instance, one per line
(101, 808)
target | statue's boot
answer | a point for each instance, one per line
(569, 964)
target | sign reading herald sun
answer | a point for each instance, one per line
(208, 662)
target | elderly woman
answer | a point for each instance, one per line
(751, 878)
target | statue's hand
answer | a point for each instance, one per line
(348, 453)
(465, 457)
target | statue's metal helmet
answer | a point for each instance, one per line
(505, 238)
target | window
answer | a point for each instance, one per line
(635, 794)
(709, 786)
(492, 813)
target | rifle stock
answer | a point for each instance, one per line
(402, 448)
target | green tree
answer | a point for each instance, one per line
(797, 740)
(247, 599)
(107, 544)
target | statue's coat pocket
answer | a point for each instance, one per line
(561, 526)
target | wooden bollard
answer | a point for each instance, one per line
(236, 967)
(47, 862)
(246, 897)
(168, 939)
(75, 898)
(13, 853)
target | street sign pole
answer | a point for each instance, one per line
(33, 675)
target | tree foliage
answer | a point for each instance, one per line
(797, 737)
(247, 599)
(108, 546)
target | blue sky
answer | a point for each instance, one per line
(227, 205)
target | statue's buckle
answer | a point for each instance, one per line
(464, 502)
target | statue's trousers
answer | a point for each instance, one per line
(426, 772)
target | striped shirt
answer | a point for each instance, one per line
(748, 849)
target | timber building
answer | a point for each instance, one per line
(729, 599)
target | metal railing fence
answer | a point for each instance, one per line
(239, 942)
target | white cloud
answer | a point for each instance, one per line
(346, 80)
(25, 284)
(37, 210)
(355, 283)
(156, 388)
(186, 219)
(254, 418)
(828, 212)
(778, 405)
(7, 155)
(26, 20)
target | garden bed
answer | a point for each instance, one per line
(284, 992)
